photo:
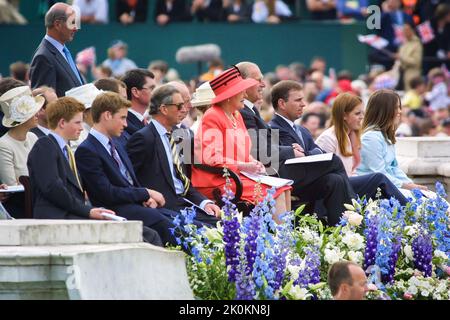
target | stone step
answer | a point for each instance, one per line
(23, 232)
(103, 271)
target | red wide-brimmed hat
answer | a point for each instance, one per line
(229, 83)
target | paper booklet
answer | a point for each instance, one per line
(12, 189)
(270, 181)
(309, 159)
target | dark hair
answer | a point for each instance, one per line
(308, 115)
(136, 79)
(338, 274)
(442, 11)
(63, 108)
(19, 70)
(416, 81)
(109, 84)
(381, 113)
(9, 83)
(162, 95)
(281, 91)
(108, 101)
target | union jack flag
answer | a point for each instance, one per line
(426, 32)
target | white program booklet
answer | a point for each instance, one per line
(270, 181)
(309, 159)
(12, 189)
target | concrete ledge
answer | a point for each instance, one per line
(113, 271)
(67, 232)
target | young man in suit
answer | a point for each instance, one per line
(140, 84)
(325, 180)
(53, 64)
(56, 185)
(156, 160)
(57, 190)
(108, 173)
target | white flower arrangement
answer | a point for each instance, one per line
(21, 107)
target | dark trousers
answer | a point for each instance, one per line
(325, 180)
(201, 217)
(157, 219)
(367, 185)
(151, 236)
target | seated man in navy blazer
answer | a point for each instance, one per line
(140, 84)
(156, 160)
(108, 173)
(325, 180)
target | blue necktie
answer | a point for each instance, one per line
(299, 134)
(72, 63)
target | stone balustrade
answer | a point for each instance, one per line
(425, 159)
(79, 259)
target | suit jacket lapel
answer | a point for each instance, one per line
(161, 152)
(70, 175)
(291, 130)
(63, 62)
(103, 153)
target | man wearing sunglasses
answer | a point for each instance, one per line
(157, 162)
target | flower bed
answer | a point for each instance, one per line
(404, 250)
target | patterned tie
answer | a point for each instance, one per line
(177, 163)
(72, 64)
(122, 168)
(72, 164)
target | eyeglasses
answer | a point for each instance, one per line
(178, 105)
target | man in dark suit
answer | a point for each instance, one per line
(325, 180)
(140, 84)
(57, 190)
(108, 173)
(53, 64)
(263, 148)
(156, 160)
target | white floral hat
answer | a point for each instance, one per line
(19, 106)
(85, 94)
(203, 95)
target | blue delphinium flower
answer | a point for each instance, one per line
(371, 234)
(231, 236)
(245, 285)
(423, 253)
(311, 273)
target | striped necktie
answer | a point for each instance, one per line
(177, 163)
(73, 165)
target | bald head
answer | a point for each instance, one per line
(59, 11)
(251, 70)
(246, 68)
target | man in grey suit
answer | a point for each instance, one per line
(53, 64)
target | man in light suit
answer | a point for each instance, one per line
(156, 160)
(53, 64)
(108, 173)
(325, 180)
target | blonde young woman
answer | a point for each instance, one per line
(344, 139)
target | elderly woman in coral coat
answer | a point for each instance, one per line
(223, 141)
